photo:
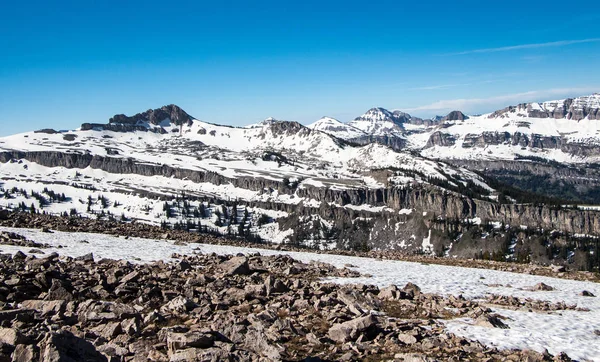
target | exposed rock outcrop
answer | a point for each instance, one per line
(455, 116)
(570, 108)
(138, 122)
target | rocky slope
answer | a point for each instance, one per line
(228, 308)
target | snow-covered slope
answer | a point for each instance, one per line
(229, 151)
(279, 165)
(380, 122)
(564, 130)
(134, 161)
(336, 128)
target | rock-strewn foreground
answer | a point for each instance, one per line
(219, 308)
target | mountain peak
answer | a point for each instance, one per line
(171, 112)
(455, 116)
(336, 128)
(325, 121)
(377, 114)
(152, 119)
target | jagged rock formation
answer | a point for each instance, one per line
(571, 108)
(455, 116)
(143, 121)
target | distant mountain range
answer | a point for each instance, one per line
(385, 180)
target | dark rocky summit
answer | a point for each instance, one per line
(123, 123)
(455, 116)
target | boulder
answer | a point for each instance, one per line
(411, 290)
(11, 336)
(542, 287)
(236, 266)
(490, 321)
(350, 330)
(100, 311)
(192, 339)
(109, 330)
(63, 346)
(179, 304)
(85, 258)
(24, 353)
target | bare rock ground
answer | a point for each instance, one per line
(225, 308)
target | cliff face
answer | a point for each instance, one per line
(394, 142)
(571, 108)
(517, 139)
(429, 199)
(440, 139)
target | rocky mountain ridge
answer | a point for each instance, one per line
(317, 186)
(570, 108)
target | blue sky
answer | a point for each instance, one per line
(237, 62)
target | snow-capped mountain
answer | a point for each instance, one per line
(380, 122)
(336, 128)
(275, 168)
(395, 174)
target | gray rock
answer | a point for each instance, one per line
(11, 336)
(109, 330)
(411, 357)
(178, 305)
(350, 330)
(490, 321)
(24, 353)
(85, 258)
(193, 339)
(63, 346)
(236, 266)
(542, 287)
(258, 342)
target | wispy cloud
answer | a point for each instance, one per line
(526, 46)
(453, 85)
(476, 104)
